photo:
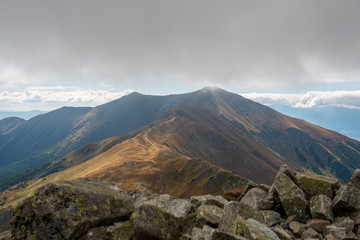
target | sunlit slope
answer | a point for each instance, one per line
(143, 164)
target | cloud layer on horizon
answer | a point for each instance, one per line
(132, 43)
(311, 99)
(52, 98)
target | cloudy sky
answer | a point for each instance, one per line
(302, 53)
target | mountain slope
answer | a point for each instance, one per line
(301, 144)
(34, 138)
(7, 124)
(145, 162)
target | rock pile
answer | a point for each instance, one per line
(296, 206)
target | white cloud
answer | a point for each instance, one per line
(42, 98)
(347, 99)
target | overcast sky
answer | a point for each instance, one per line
(85, 52)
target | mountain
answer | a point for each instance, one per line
(263, 133)
(153, 159)
(20, 114)
(10, 123)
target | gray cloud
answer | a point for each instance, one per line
(243, 43)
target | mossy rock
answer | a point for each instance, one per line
(292, 198)
(152, 222)
(67, 210)
(252, 229)
(235, 212)
(313, 184)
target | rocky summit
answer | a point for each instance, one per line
(295, 206)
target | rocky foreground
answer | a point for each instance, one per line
(296, 206)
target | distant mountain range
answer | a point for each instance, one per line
(21, 114)
(138, 138)
(340, 119)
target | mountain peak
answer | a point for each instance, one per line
(212, 89)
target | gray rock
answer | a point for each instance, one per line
(357, 232)
(218, 201)
(251, 229)
(271, 218)
(286, 170)
(297, 228)
(318, 224)
(217, 235)
(208, 233)
(345, 222)
(272, 195)
(264, 187)
(283, 234)
(355, 216)
(118, 231)
(321, 207)
(202, 234)
(235, 211)
(255, 198)
(351, 236)
(160, 216)
(211, 214)
(175, 206)
(67, 210)
(259, 231)
(355, 179)
(336, 232)
(313, 184)
(248, 187)
(311, 234)
(346, 200)
(292, 198)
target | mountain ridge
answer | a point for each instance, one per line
(301, 144)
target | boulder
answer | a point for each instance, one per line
(297, 228)
(283, 234)
(217, 235)
(345, 222)
(355, 179)
(204, 233)
(271, 218)
(218, 201)
(208, 233)
(292, 198)
(311, 234)
(252, 229)
(210, 214)
(258, 230)
(286, 170)
(174, 206)
(67, 210)
(255, 198)
(321, 207)
(317, 224)
(346, 200)
(355, 216)
(160, 216)
(248, 187)
(118, 231)
(233, 211)
(337, 233)
(264, 187)
(313, 184)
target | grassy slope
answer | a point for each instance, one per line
(141, 164)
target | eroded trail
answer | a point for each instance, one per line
(159, 125)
